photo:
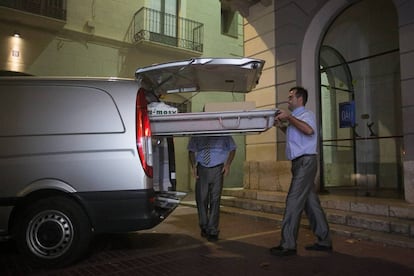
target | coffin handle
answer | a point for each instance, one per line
(230, 126)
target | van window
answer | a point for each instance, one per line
(46, 110)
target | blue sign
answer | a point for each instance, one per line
(347, 114)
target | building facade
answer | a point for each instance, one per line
(112, 38)
(356, 59)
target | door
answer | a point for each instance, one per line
(165, 21)
(361, 144)
(360, 99)
(338, 120)
(201, 74)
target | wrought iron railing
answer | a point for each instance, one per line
(49, 8)
(155, 26)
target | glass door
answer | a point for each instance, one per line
(378, 129)
(338, 126)
(360, 102)
(361, 145)
(164, 27)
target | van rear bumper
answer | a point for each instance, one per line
(123, 211)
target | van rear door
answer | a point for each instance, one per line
(201, 74)
(238, 75)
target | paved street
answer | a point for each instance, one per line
(176, 248)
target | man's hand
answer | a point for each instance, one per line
(226, 169)
(282, 115)
(281, 119)
(194, 172)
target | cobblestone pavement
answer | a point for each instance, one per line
(175, 248)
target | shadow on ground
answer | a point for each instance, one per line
(175, 248)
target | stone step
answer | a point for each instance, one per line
(383, 224)
(254, 205)
(255, 194)
(367, 221)
(365, 205)
(374, 206)
(350, 231)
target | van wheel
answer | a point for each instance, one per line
(53, 231)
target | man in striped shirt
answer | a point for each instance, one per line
(210, 158)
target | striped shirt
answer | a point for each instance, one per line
(219, 147)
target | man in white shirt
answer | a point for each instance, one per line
(301, 145)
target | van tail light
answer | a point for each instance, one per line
(143, 133)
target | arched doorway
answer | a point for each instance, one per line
(360, 102)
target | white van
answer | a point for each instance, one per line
(78, 155)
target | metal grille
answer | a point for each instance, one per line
(49, 8)
(168, 29)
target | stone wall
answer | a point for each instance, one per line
(267, 175)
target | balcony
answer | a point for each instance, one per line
(47, 14)
(167, 30)
(49, 8)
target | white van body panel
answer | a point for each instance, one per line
(67, 151)
(44, 184)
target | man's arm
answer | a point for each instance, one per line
(299, 124)
(193, 163)
(227, 164)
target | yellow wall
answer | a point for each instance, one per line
(259, 42)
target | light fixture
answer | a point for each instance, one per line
(16, 34)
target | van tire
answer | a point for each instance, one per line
(53, 232)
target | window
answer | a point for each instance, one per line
(229, 21)
(166, 19)
(56, 109)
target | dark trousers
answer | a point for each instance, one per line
(301, 196)
(208, 193)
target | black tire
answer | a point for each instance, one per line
(53, 232)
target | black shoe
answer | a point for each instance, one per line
(212, 238)
(318, 247)
(282, 252)
(279, 247)
(203, 233)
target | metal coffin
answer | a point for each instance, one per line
(213, 123)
